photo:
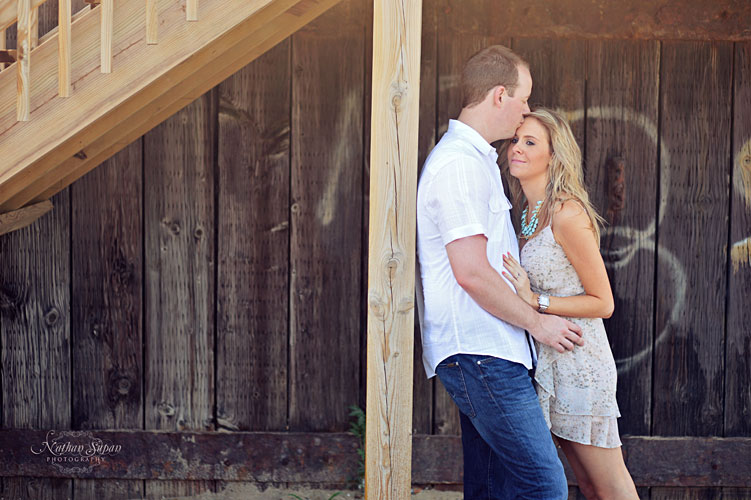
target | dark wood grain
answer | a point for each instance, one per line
(35, 335)
(326, 220)
(179, 237)
(253, 288)
(106, 308)
(622, 110)
(422, 405)
(738, 347)
(559, 71)
(106, 305)
(692, 239)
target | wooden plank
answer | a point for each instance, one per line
(251, 36)
(111, 489)
(3, 46)
(558, 75)
(461, 33)
(107, 11)
(688, 366)
(18, 219)
(738, 347)
(64, 58)
(367, 20)
(310, 457)
(23, 60)
(622, 117)
(736, 493)
(423, 388)
(179, 242)
(395, 119)
(325, 224)
(152, 22)
(35, 337)
(179, 490)
(106, 305)
(686, 494)
(253, 253)
(180, 223)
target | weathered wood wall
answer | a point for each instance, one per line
(211, 276)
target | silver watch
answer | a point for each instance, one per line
(543, 302)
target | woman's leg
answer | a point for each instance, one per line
(602, 468)
(582, 478)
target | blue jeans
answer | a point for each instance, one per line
(508, 451)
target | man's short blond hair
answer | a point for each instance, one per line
(488, 68)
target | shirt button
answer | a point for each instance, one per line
(479, 363)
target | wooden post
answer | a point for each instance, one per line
(107, 13)
(63, 51)
(152, 22)
(191, 10)
(391, 252)
(23, 45)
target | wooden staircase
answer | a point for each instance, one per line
(48, 141)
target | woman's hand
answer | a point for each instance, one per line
(518, 277)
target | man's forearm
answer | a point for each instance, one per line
(494, 295)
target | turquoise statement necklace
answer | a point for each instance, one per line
(529, 229)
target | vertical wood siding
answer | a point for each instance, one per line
(211, 275)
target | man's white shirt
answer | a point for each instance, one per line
(460, 194)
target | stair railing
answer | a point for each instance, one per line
(24, 13)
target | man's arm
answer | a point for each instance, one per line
(473, 272)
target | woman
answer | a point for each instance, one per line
(562, 273)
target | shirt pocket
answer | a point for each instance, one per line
(498, 207)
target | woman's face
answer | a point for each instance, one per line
(529, 152)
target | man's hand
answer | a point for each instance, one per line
(558, 333)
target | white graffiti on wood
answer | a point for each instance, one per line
(640, 239)
(740, 252)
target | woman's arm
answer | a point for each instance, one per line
(573, 231)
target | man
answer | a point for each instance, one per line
(472, 321)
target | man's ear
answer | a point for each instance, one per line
(499, 93)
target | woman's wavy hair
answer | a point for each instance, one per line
(565, 173)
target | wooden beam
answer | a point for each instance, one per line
(391, 252)
(332, 457)
(17, 219)
(169, 97)
(241, 39)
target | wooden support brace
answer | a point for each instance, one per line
(63, 36)
(23, 102)
(17, 219)
(391, 249)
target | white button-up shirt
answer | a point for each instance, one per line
(460, 194)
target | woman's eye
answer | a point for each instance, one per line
(514, 140)
(530, 143)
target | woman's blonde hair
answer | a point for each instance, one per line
(565, 174)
